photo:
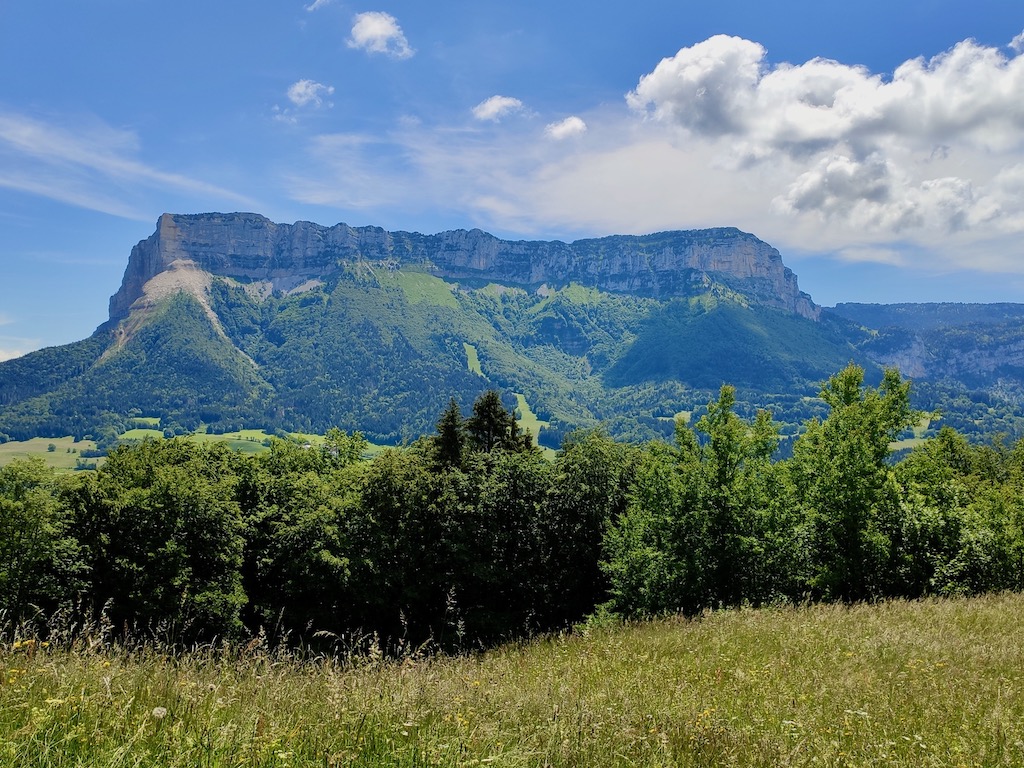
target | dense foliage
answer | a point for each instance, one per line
(471, 536)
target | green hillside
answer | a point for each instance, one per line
(174, 366)
(382, 349)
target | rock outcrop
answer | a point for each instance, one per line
(251, 247)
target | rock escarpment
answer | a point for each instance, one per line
(251, 247)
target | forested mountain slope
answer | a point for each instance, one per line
(230, 320)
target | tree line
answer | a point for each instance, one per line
(471, 536)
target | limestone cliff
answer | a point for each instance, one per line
(251, 247)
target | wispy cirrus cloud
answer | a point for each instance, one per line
(379, 32)
(91, 166)
(14, 346)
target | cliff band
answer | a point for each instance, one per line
(251, 247)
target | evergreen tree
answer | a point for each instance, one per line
(450, 441)
(492, 426)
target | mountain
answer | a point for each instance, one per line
(287, 257)
(231, 320)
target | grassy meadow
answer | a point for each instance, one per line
(932, 683)
(66, 451)
(64, 456)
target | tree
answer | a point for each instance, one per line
(735, 479)
(493, 427)
(40, 560)
(845, 484)
(450, 441)
(701, 521)
(589, 490)
(163, 531)
(342, 449)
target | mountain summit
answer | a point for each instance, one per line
(250, 247)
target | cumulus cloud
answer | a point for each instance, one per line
(1018, 43)
(496, 107)
(305, 93)
(859, 143)
(725, 86)
(817, 156)
(706, 88)
(379, 32)
(564, 129)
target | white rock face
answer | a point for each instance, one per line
(251, 247)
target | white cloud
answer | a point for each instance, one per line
(564, 129)
(10, 354)
(707, 88)
(308, 92)
(820, 157)
(725, 86)
(874, 255)
(858, 143)
(496, 107)
(13, 346)
(379, 32)
(1018, 43)
(316, 5)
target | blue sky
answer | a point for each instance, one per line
(879, 146)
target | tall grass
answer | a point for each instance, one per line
(935, 683)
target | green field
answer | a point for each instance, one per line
(421, 288)
(245, 440)
(920, 430)
(65, 455)
(932, 683)
(472, 359)
(142, 434)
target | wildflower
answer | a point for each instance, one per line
(159, 713)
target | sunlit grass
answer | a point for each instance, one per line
(934, 683)
(142, 433)
(529, 422)
(67, 452)
(472, 359)
(64, 456)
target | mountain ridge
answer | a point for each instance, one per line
(661, 265)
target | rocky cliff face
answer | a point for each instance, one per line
(249, 246)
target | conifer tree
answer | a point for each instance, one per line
(450, 441)
(491, 426)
